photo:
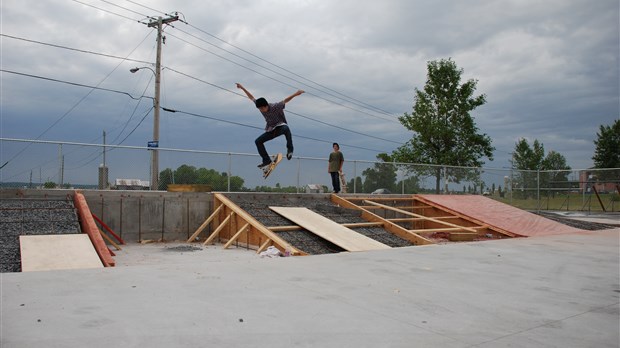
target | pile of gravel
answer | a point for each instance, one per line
(23, 217)
(304, 239)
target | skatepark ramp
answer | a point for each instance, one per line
(301, 224)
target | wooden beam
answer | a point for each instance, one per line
(420, 216)
(234, 238)
(349, 225)
(107, 238)
(387, 225)
(270, 235)
(380, 198)
(412, 219)
(433, 230)
(465, 217)
(218, 229)
(204, 224)
(264, 246)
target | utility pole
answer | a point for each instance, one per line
(155, 153)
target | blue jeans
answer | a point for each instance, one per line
(265, 137)
(335, 181)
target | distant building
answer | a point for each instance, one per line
(588, 179)
(314, 188)
(132, 184)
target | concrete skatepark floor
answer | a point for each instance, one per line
(544, 291)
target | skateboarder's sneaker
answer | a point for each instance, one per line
(289, 155)
(264, 164)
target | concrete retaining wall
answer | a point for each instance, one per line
(137, 215)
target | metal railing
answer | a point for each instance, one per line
(70, 164)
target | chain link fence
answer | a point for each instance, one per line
(80, 165)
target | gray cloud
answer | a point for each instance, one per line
(549, 69)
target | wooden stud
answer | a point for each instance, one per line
(218, 229)
(204, 224)
(107, 238)
(234, 238)
(420, 216)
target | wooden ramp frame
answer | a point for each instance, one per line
(327, 229)
(423, 217)
(233, 225)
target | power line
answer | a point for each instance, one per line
(350, 99)
(74, 84)
(108, 11)
(275, 72)
(288, 71)
(261, 129)
(76, 49)
(180, 111)
(192, 77)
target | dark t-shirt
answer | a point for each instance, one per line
(335, 158)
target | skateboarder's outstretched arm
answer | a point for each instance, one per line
(288, 99)
(246, 92)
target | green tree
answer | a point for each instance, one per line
(166, 177)
(49, 185)
(607, 152)
(531, 160)
(185, 175)
(444, 132)
(357, 181)
(381, 175)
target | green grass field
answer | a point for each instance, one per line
(565, 202)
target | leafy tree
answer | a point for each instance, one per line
(444, 131)
(607, 152)
(526, 157)
(381, 175)
(49, 185)
(191, 175)
(412, 185)
(530, 160)
(358, 185)
(558, 177)
(185, 175)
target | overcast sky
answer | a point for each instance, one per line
(549, 70)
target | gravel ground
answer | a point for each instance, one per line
(583, 225)
(22, 217)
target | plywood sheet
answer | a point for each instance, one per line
(325, 228)
(54, 252)
(499, 214)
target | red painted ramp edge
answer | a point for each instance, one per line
(90, 227)
(499, 214)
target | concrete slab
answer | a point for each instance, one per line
(548, 291)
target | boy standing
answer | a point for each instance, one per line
(334, 166)
(276, 124)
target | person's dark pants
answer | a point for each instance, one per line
(265, 137)
(335, 181)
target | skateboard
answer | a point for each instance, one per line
(343, 183)
(274, 163)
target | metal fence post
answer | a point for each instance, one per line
(229, 170)
(538, 190)
(354, 176)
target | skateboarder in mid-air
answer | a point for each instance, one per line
(276, 124)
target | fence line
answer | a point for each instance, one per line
(528, 189)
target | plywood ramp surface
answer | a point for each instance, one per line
(499, 214)
(327, 229)
(54, 252)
